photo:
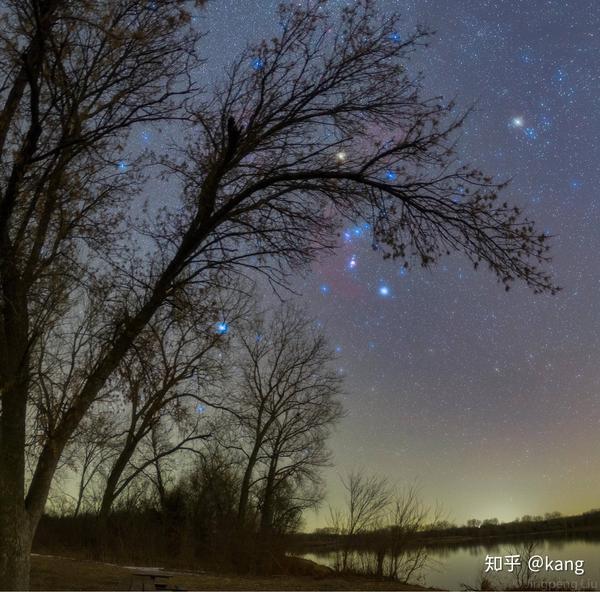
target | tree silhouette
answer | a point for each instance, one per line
(304, 132)
(278, 410)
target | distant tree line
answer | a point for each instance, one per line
(443, 532)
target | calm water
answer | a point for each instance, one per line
(451, 567)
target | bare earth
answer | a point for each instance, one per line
(62, 573)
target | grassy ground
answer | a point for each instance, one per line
(61, 573)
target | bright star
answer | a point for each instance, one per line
(545, 122)
(341, 156)
(257, 64)
(200, 408)
(576, 184)
(517, 121)
(390, 175)
(221, 328)
(384, 290)
(122, 166)
(352, 262)
(324, 289)
(526, 57)
(560, 75)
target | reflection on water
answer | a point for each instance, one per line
(454, 566)
(390, 562)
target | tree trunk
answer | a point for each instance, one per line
(110, 491)
(160, 486)
(261, 430)
(15, 523)
(15, 527)
(109, 496)
(15, 542)
(245, 488)
(160, 483)
(266, 516)
(80, 493)
(380, 560)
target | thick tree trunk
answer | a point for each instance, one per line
(15, 525)
(108, 498)
(15, 544)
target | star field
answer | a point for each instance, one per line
(489, 400)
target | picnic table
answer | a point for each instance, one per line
(150, 579)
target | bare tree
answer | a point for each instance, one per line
(379, 526)
(93, 449)
(159, 479)
(162, 380)
(367, 498)
(158, 385)
(304, 411)
(299, 136)
(523, 577)
(292, 457)
(207, 496)
(73, 78)
(282, 404)
(408, 516)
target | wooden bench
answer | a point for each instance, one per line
(150, 579)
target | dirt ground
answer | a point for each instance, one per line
(62, 573)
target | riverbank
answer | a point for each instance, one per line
(63, 573)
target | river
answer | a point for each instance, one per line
(449, 567)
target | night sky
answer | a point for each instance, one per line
(489, 400)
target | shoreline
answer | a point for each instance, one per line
(451, 540)
(53, 572)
